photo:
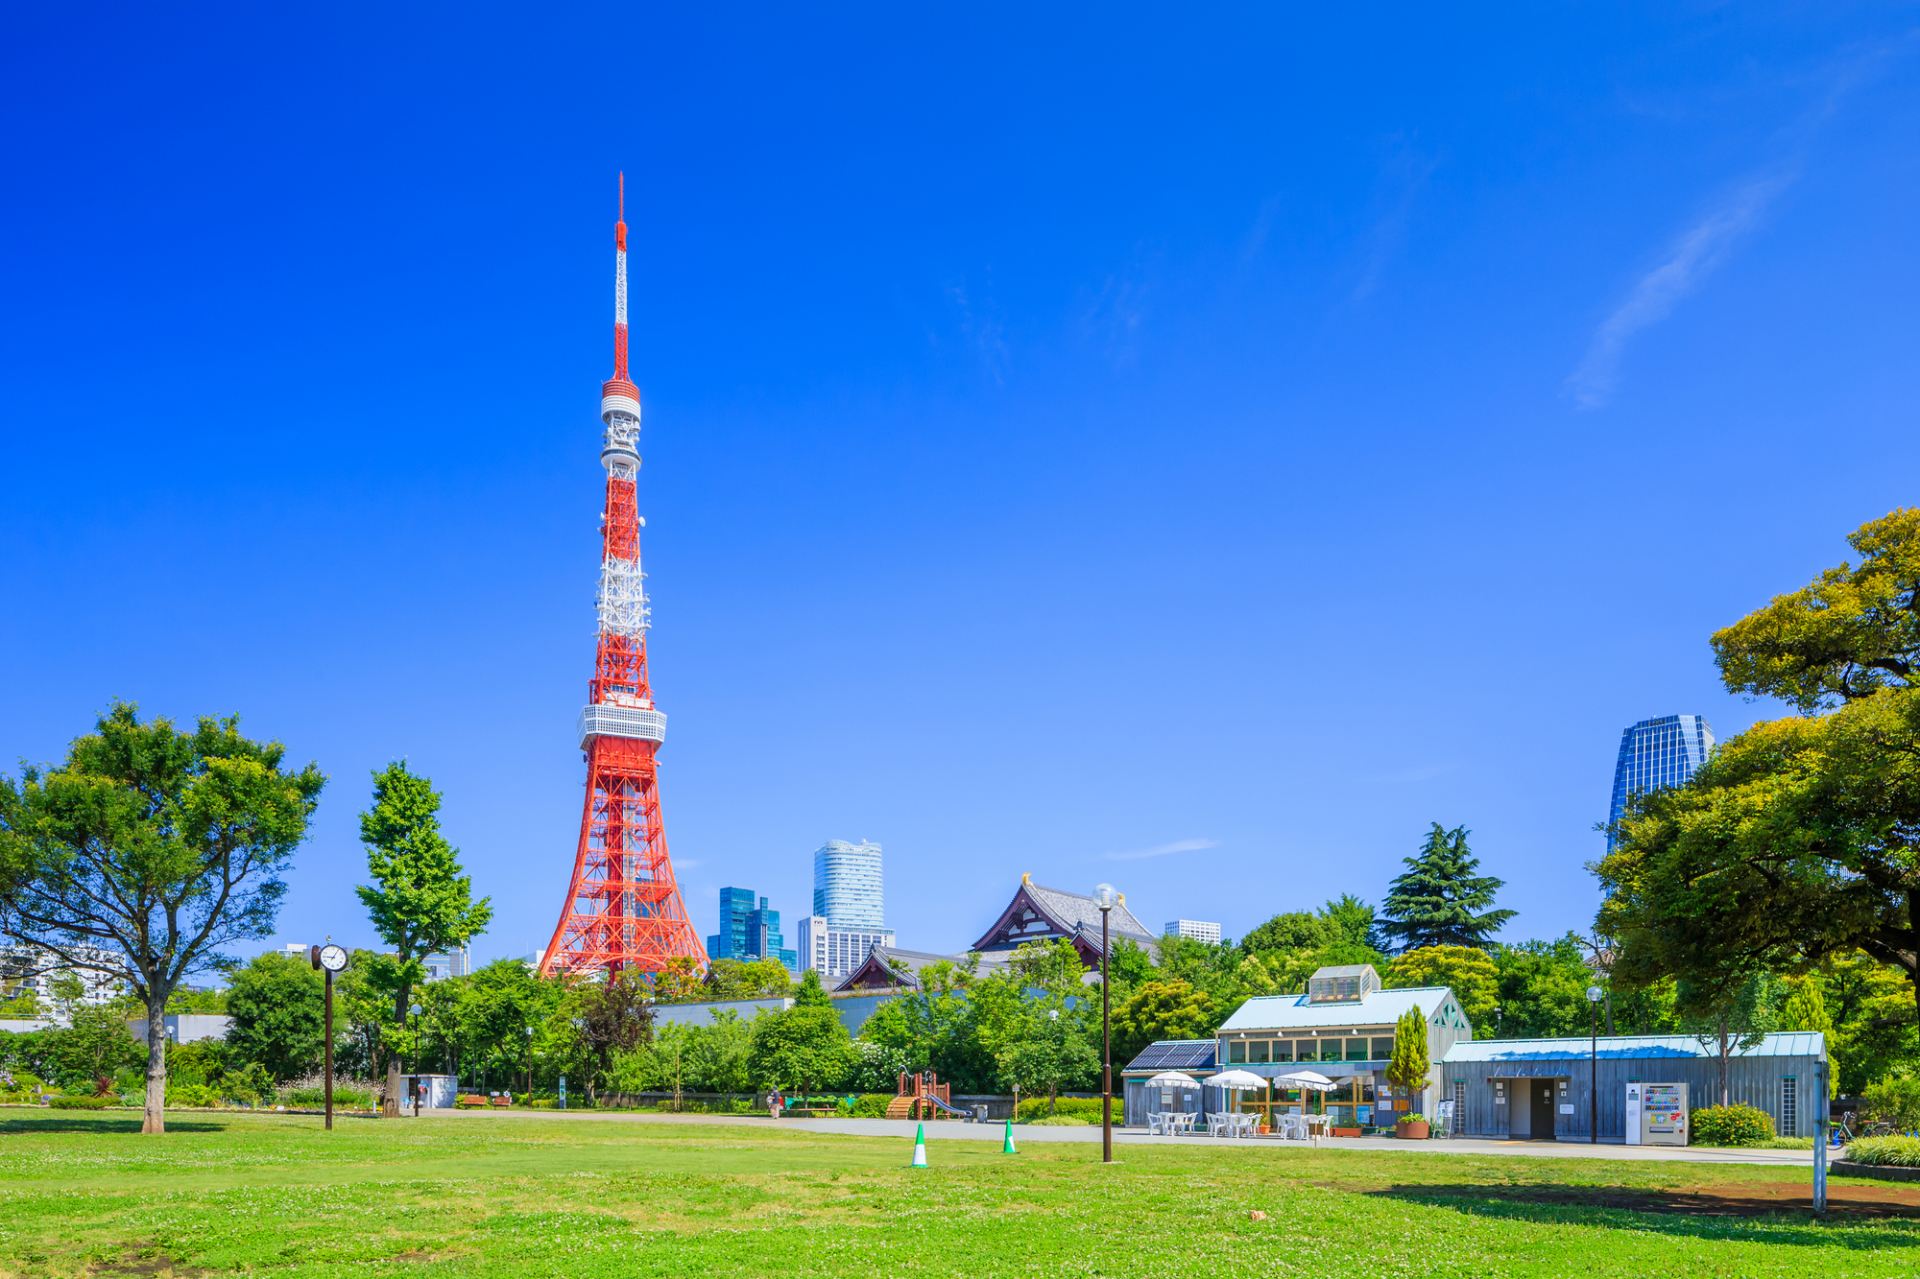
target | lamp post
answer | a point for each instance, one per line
(413, 1029)
(529, 1061)
(1594, 996)
(1104, 896)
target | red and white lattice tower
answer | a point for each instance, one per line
(623, 908)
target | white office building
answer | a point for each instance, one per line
(1194, 929)
(456, 963)
(836, 952)
(847, 887)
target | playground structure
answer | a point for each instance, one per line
(923, 1096)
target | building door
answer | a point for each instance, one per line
(1541, 1109)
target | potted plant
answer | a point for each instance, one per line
(1413, 1127)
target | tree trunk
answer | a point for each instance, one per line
(1725, 1053)
(390, 1104)
(155, 1119)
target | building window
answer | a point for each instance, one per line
(1236, 1052)
(1257, 1051)
(1356, 1050)
(1283, 1050)
(1382, 1048)
(1789, 1107)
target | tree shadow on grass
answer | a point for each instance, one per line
(27, 1125)
(1754, 1213)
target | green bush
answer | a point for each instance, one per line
(191, 1095)
(1895, 1101)
(868, 1105)
(1064, 1121)
(343, 1098)
(82, 1103)
(1034, 1109)
(1735, 1125)
(1886, 1152)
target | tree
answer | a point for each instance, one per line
(1470, 974)
(94, 1046)
(419, 901)
(1874, 1033)
(1542, 989)
(1410, 1067)
(679, 983)
(611, 1016)
(1051, 967)
(717, 1054)
(1805, 1008)
(805, 1045)
(1350, 920)
(1052, 1054)
(1800, 838)
(747, 979)
(158, 846)
(1727, 1018)
(1290, 931)
(1440, 900)
(278, 1006)
(1166, 1009)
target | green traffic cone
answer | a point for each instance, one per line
(919, 1148)
(1008, 1148)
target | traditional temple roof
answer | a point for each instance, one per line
(890, 968)
(1037, 913)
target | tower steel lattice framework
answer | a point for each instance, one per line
(623, 908)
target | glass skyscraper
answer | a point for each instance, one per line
(749, 931)
(1656, 754)
(846, 885)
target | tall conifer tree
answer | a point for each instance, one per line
(1441, 900)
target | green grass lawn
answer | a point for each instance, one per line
(221, 1194)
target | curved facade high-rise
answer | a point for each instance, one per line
(848, 891)
(1656, 754)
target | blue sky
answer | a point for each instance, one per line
(1195, 457)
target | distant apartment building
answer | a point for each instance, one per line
(30, 970)
(749, 930)
(835, 952)
(847, 885)
(1656, 754)
(1194, 929)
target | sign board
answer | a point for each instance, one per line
(1633, 1114)
(1565, 1109)
(563, 1092)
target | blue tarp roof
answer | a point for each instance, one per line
(1793, 1043)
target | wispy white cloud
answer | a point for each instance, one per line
(1714, 234)
(1172, 849)
(1687, 261)
(982, 330)
(1403, 177)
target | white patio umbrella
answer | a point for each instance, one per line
(1237, 1080)
(1311, 1080)
(1173, 1079)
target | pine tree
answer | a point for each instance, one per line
(1410, 1068)
(1440, 901)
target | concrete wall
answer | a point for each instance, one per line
(185, 1028)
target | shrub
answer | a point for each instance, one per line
(82, 1103)
(1735, 1125)
(1034, 1109)
(344, 1098)
(191, 1095)
(1064, 1121)
(1886, 1152)
(1415, 1118)
(1895, 1101)
(868, 1105)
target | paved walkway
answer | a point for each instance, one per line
(948, 1130)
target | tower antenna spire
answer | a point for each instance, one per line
(620, 286)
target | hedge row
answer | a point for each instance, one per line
(1886, 1152)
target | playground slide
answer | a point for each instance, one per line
(955, 1111)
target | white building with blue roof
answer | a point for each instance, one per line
(1341, 1027)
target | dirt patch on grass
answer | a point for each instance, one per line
(145, 1263)
(1741, 1199)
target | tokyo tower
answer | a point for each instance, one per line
(623, 909)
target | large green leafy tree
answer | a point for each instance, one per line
(1168, 1009)
(158, 846)
(1442, 899)
(419, 901)
(1471, 974)
(1542, 989)
(610, 1016)
(278, 1006)
(804, 1046)
(1800, 838)
(747, 979)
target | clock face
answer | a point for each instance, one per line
(333, 958)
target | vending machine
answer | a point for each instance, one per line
(1656, 1114)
